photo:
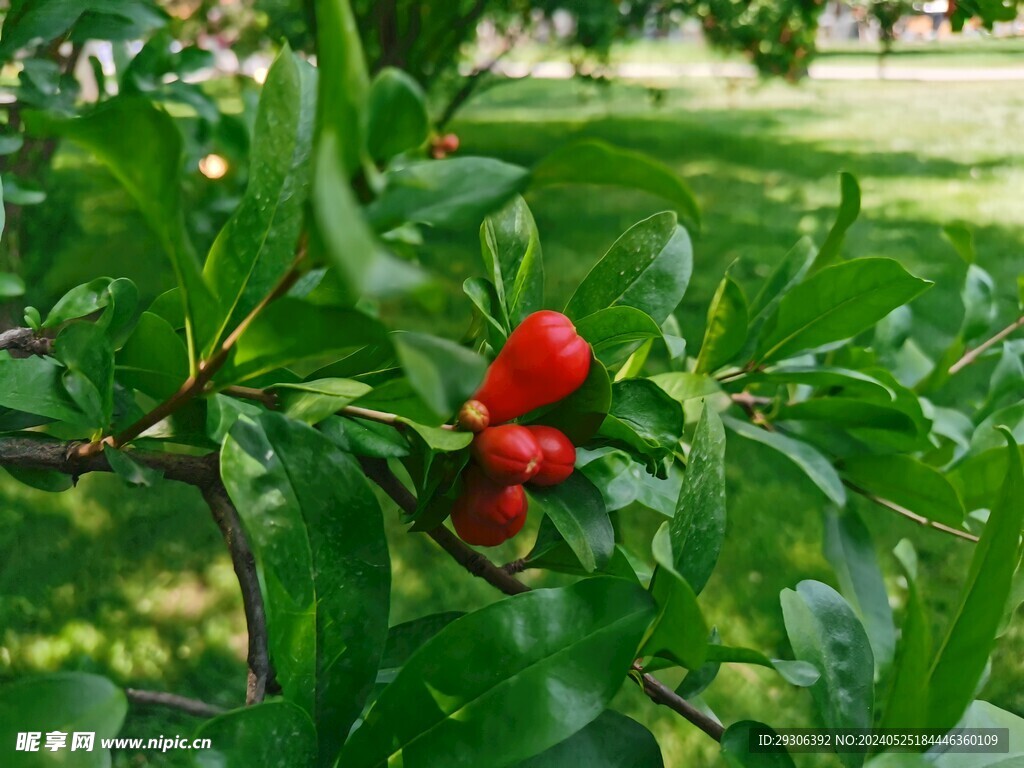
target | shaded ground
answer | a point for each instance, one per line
(135, 583)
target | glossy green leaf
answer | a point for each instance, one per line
(961, 238)
(849, 210)
(851, 553)
(365, 438)
(591, 161)
(907, 703)
(484, 296)
(142, 147)
(564, 653)
(982, 714)
(316, 531)
(407, 638)
(34, 385)
(648, 268)
(443, 373)
(453, 193)
(581, 414)
(623, 481)
(396, 114)
(682, 386)
(608, 329)
(814, 465)
(273, 340)
(86, 352)
(80, 301)
(131, 471)
(679, 633)
(799, 673)
(697, 529)
(979, 479)
(340, 232)
(643, 418)
(438, 438)
(41, 479)
(849, 413)
(909, 483)
(791, 269)
(833, 379)
(512, 255)
(964, 651)
(736, 747)
(979, 298)
(696, 681)
(551, 552)
(824, 631)
(611, 741)
(154, 360)
(314, 401)
(257, 244)
(726, 329)
(343, 83)
(11, 286)
(576, 508)
(834, 304)
(273, 734)
(68, 702)
(986, 436)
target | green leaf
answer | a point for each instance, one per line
(985, 435)
(341, 233)
(11, 143)
(679, 633)
(907, 704)
(788, 273)
(452, 193)
(590, 161)
(581, 414)
(438, 438)
(314, 401)
(622, 481)
(964, 651)
(443, 373)
(512, 255)
(365, 438)
(799, 673)
(682, 386)
(814, 465)
(849, 210)
(274, 339)
(610, 741)
(405, 639)
(142, 147)
(316, 531)
(726, 330)
(835, 380)
(849, 413)
(697, 529)
(851, 554)
(552, 553)
(69, 702)
(396, 115)
(978, 296)
(825, 632)
(643, 418)
(257, 244)
(11, 286)
(564, 653)
(981, 714)
(41, 479)
(80, 301)
(736, 747)
(909, 483)
(961, 238)
(133, 473)
(610, 329)
(33, 385)
(578, 512)
(343, 83)
(485, 298)
(86, 352)
(979, 479)
(273, 734)
(834, 304)
(648, 268)
(154, 359)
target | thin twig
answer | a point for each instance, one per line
(979, 350)
(383, 417)
(660, 693)
(193, 707)
(265, 396)
(919, 519)
(24, 342)
(196, 385)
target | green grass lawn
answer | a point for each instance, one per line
(134, 583)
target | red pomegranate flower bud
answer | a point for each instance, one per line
(559, 455)
(486, 514)
(508, 455)
(543, 361)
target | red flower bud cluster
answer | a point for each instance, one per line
(543, 361)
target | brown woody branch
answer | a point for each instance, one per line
(24, 342)
(193, 707)
(203, 472)
(479, 565)
(979, 350)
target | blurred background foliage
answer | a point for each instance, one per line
(135, 583)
